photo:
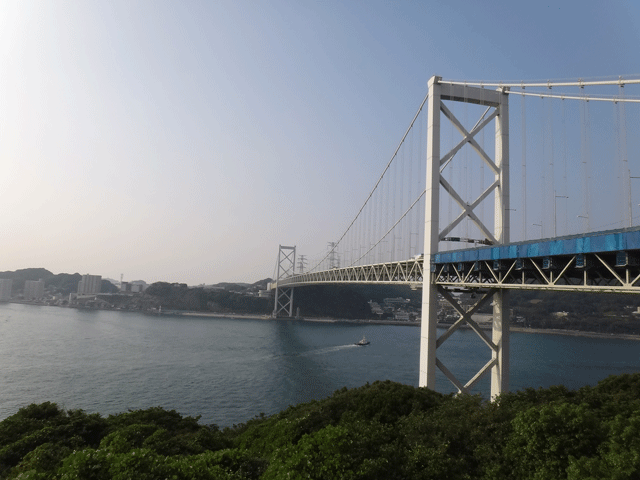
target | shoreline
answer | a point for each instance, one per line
(249, 316)
(575, 333)
(484, 326)
(550, 331)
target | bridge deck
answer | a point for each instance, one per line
(624, 239)
(606, 261)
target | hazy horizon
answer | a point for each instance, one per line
(116, 281)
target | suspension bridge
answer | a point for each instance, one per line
(440, 215)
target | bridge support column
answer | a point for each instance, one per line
(428, 333)
(284, 295)
(500, 338)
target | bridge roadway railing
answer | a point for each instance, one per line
(406, 272)
(606, 262)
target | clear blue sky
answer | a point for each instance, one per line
(184, 141)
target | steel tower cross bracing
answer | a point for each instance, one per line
(497, 110)
(284, 294)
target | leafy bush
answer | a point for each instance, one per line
(380, 431)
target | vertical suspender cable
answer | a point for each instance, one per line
(451, 180)
(422, 167)
(620, 194)
(365, 228)
(388, 204)
(563, 185)
(588, 139)
(357, 242)
(409, 222)
(523, 129)
(396, 201)
(379, 226)
(585, 151)
(465, 164)
(626, 173)
(370, 228)
(405, 251)
(481, 206)
(546, 208)
(550, 153)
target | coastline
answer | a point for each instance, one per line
(484, 326)
(550, 331)
(575, 333)
(304, 319)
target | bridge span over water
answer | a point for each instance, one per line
(598, 262)
(606, 261)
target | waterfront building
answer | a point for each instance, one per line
(137, 286)
(396, 301)
(89, 284)
(5, 288)
(33, 289)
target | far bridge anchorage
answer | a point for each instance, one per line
(576, 226)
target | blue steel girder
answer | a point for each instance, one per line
(606, 261)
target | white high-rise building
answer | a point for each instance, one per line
(33, 289)
(89, 284)
(5, 289)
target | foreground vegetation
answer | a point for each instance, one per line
(385, 430)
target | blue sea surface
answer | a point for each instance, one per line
(229, 370)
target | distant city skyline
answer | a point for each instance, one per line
(184, 141)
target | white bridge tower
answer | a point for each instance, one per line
(284, 295)
(497, 105)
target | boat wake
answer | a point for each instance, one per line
(322, 351)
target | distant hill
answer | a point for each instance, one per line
(259, 285)
(350, 302)
(28, 274)
(61, 283)
(234, 298)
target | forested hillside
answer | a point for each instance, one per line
(61, 283)
(381, 431)
(602, 313)
(350, 302)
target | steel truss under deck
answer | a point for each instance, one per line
(406, 272)
(604, 272)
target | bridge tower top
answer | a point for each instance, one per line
(497, 103)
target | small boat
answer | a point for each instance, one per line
(362, 342)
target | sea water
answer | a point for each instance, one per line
(229, 370)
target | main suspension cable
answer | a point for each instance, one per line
(377, 183)
(631, 79)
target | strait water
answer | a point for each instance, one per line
(230, 370)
